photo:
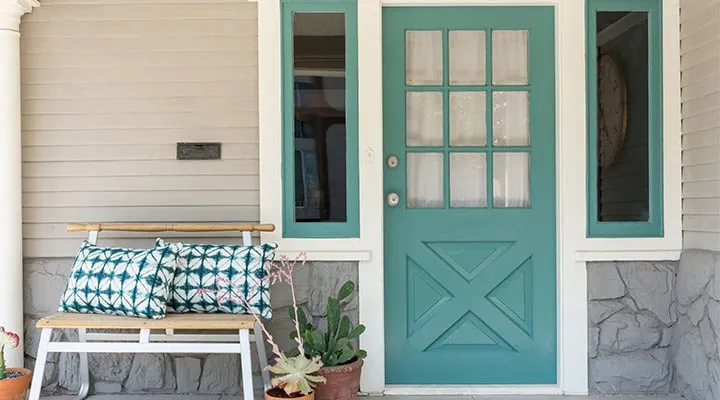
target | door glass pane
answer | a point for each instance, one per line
(623, 118)
(319, 135)
(511, 183)
(467, 57)
(467, 119)
(510, 57)
(424, 125)
(423, 58)
(511, 119)
(425, 180)
(468, 180)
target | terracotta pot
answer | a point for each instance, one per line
(311, 396)
(15, 388)
(343, 382)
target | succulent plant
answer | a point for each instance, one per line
(335, 346)
(295, 374)
(9, 339)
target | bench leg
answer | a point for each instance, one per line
(84, 367)
(262, 357)
(39, 372)
(246, 365)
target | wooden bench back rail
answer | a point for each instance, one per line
(171, 227)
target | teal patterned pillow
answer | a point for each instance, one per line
(212, 278)
(119, 281)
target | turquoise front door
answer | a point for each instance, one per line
(469, 147)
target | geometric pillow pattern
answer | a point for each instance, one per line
(213, 278)
(120, 281)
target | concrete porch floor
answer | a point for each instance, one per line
(485, 397)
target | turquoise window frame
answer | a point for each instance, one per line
(653, 227)
(291, 228)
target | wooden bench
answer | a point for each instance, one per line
(154, 336)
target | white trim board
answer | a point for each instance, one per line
(574, 250)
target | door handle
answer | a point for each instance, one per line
(393, 199)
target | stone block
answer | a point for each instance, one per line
(694, 274)
(170, 384)
(221, 374)
(50, 373)
(45, 281)
(651, 286)
(599, 311)
(714, 378)
(709, 341)
(32, 338)
(667, 337)
(281, 294)
(68, 371)
(691, 362)
(594, 342)
(696, 312)
(631, 373)
(714, 314)
(187, 371)
(604, 282)
(107, 387)
(325, 279)
(626, 332)
(147, 373)
(110, 367)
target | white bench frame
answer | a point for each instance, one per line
(146, 341)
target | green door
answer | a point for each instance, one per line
(469, 101)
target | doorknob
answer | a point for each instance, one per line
(393, 199)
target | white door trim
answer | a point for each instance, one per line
(571, 202)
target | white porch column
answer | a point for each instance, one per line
(11, 261)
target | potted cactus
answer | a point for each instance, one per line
(342, 362)
(14, 382)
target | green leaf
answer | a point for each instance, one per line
(319, 341)
(344, 328)
(361, 354)
(346, 355)
(333, 316)
(346, 290)
(356, 332)
(342, 343)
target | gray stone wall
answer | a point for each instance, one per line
(632, 313)
(697, 336)
(168, 373)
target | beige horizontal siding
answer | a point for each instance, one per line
(109, 88)
(700, 49)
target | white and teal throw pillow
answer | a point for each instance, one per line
(119, 281)
(214, 279)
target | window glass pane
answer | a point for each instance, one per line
(467, 119)
(511, 119)
(467, 57)
(320, 131)
(423, 58)
(468, 180)
(425, 180)
(510, 57)
(424, 125)
(622, 116)
(511, 180)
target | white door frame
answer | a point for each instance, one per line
(573, 249)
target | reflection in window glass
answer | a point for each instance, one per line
(320, 120)
(623, 117)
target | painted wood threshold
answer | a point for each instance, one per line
(473, 390)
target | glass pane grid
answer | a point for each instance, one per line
(450, 155)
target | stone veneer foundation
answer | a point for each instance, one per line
(632, 314)
(168, 373)
(655, 326)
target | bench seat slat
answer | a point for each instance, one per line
(171, 321)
